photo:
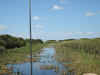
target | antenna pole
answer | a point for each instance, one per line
(30, 37)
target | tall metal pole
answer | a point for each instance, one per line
(30, 37)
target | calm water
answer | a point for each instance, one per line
(46, 58)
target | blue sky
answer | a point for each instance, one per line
(51, 19)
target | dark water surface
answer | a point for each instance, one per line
(46, 58)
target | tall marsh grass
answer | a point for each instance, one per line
(84, 54)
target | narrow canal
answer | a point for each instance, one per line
(45, 65)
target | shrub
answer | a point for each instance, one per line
(9, 41)
(2, 49)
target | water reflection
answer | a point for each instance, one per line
(46, 65)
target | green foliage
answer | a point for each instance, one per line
(9, 41)
(90, 46)
(20, 42)
(17, 55)
(51, 41)
(84, 54)
(35, 41)
(2, 49)
(69, 39)
(2, 43)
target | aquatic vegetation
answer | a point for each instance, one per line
(63, 73)
(33, 60)
(89, 74)
(83, 53)
(17, 55)
(47, 67)
(4, 70)
(67, 65)
(56, 69)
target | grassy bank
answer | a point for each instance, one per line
(82, 56)
(18, 54)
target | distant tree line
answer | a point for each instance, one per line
(34, 41)
(51, 41)
(10, 42)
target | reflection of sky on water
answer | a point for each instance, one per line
(46, 58)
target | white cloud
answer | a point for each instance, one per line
(86, 33)
(23, 35)
(39, 35)
(36, 18)
(90, 14)
(81, 33)
(69, 34)
(57, 7)
(2, 27)
(63, 35)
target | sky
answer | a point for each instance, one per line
(51, 19)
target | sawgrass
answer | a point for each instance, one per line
(80, 55)
(19, 54)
